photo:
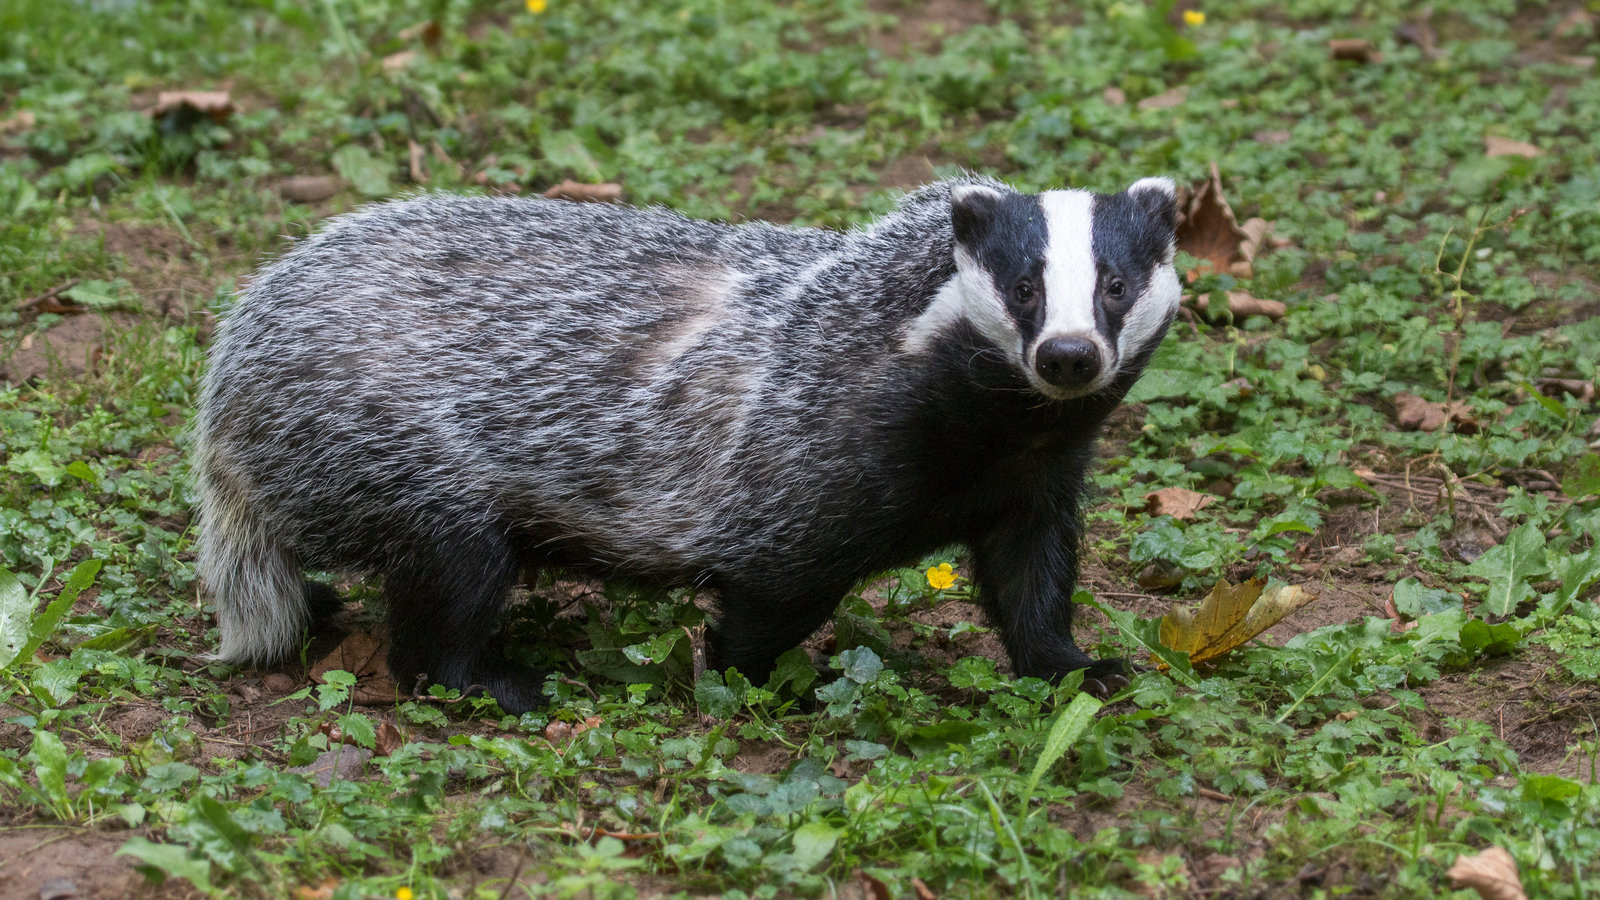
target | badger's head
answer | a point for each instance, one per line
(1076, 288)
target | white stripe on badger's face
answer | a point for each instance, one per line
(971, 295)
(1070, 279)
(1152, 312)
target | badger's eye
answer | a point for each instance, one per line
(1116, 287)
(1024, 290)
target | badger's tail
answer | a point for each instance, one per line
(253, 579)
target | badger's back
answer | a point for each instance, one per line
(642, 388)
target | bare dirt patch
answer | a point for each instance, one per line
(78, 864)
(922, 27)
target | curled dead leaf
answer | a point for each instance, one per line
(416, 165)
(1230, 616)
(1419, 32)
(1166, 99)
(1492, 873)
(1209, 231)
(363, 655)
(428, 32)
(309, 188)
(389, 740)
(1354, 50)
(22, 120)
(607, 192)
(561, 731)
(1580, 388)
(1414, 413)
(214, 104)
(323, 891)
(1179, 503)
(1495, 145)
(1237, 305)
(394, 62)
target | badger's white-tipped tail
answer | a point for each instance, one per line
(252, 578)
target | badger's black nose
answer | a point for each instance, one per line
(1067, 362)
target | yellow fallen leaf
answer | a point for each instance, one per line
(1230, 616)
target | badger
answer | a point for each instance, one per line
(450, 391)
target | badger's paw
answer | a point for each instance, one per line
(518, 689)
(1103, 678)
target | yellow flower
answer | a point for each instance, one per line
(405, 892)
(1193, 18)
(537, 6)
(941, 576)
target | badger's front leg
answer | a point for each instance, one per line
(1026, 569)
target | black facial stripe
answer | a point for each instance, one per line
(1011, 248)
(1129, 238)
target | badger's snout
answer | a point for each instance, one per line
(1067, 362)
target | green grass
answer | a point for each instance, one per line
(1343, 755)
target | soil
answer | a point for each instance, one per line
(76, 864)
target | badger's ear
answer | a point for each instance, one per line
(1159, 198)
(972, 211)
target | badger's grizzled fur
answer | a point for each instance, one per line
(447, 390)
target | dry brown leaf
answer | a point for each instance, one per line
(923, 891)
(22, 120)
(1179, 503)
(607, 192)
(1420, 32)
(1414, 413)
(1354, 50)
(309, 188)
(1209, 231)
(1230, 616)
(216, 104)
(1494, 145)
(875, 888)
(1166, 99)
(394, 62)
(363, 655)
(389, 740)
(1492, 873)
(1579, 20)
(322, 891)
(1398, 625)
(428, 32)
(1575, 387)
(1114, 96)
(561, 731)
(1238, 305)
(416, 165)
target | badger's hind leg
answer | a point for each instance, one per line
(445, 598)
(761, 620)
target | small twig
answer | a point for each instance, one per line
(49, 295)
(579, 684)
(522, 860)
